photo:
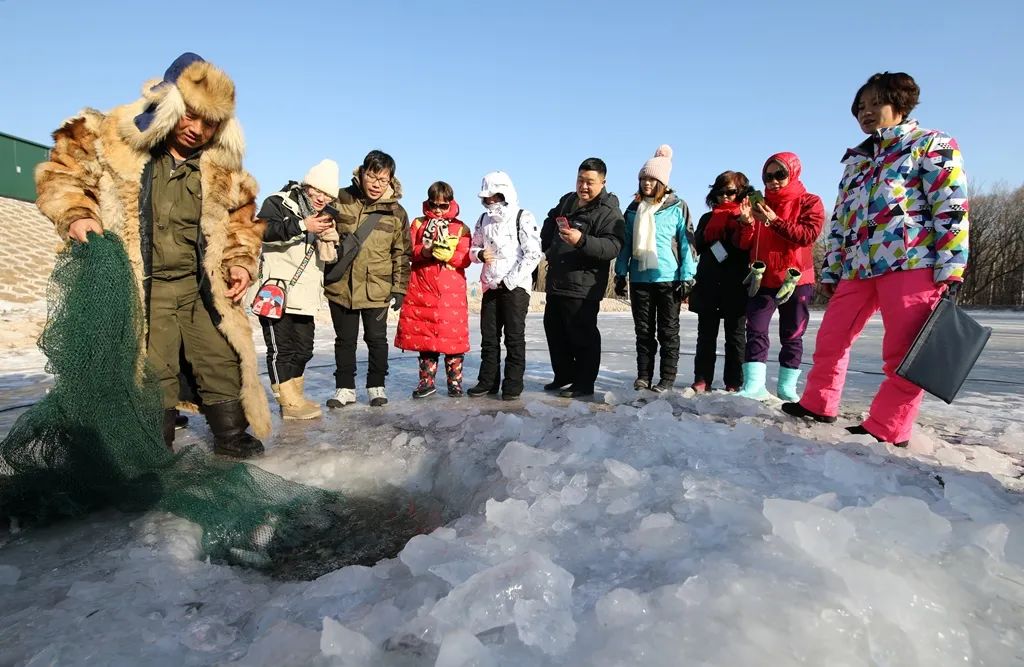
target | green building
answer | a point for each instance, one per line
(18, 160)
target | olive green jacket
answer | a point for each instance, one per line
(382, 266)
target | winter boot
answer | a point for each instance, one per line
(481, 389)
(754, 373)
(378, 398)
(292, 406)
(453, 368)
(428, 369)
(228, 423)
(786, 387)
(860, 430)
(300, 393)
(180, 422)
(641, 383)
(170, 416)
(700, 387)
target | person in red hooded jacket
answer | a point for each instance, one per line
(435, 314)
(779, 232)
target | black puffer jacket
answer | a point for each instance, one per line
(582, 272)
(719, 287)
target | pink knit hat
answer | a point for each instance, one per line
(659, 166)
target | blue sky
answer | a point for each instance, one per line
(455, 89)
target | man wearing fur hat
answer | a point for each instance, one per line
(165, 174)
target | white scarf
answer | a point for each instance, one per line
(645, 245)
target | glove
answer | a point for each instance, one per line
(620, 286)
(326, 245)
(788, 286)
(683, 289)
(753, 279)
(396, 301)
(444, 249)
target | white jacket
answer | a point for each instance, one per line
(284, 248)
(516, 251)
(510, 233)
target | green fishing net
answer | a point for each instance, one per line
(94, 441)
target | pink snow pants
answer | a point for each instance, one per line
(905, 298)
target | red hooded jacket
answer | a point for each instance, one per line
(787, 242)
(435, 314)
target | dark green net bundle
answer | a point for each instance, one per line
(94, 441)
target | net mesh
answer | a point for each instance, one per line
(94, 441)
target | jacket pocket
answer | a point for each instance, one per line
(378, 281)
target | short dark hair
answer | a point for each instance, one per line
(737, 179)
(594, 164)
(896, 88)
(440, 190)
(378, 161)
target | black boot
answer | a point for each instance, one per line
(797, 410)
(170, 417)
(228, 423)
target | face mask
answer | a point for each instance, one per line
(495, 208)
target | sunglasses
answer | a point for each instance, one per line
(779, 175)
(438, 206)
(729, 192)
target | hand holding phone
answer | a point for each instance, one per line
(755, 197)
(562, 222)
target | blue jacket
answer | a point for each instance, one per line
(673, 240)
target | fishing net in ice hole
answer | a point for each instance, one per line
(95, 441)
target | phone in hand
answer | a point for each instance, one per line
(331, 212)
(755, 197)
(562, 222)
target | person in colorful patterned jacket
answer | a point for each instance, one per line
(659, 258)
(435, 314)
(898, 240)
(779, 232)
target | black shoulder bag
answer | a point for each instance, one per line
(349, 248)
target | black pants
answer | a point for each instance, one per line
(656, 322)
(503, 311)
(289, 345)
(707, 346)
(375, 334)
(574, 341)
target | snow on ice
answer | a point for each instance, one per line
(673, 530)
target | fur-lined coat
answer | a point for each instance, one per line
(95, 171)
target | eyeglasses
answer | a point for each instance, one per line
(377, 180)
(779, 175)
(438, 205)
(315, 193)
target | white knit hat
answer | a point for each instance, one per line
(659, 166)
(324, 177)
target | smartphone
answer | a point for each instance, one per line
(330, 212)
(755, 196)
(562, 222)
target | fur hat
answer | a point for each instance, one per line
(203, 87)
(324, 177)
(659, 166)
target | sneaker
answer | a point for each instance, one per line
(482, 390)
(569, 392)
(423, 392)
(509, 396)
(699, 387)
(377, 396)
(641, 383)
(556, 386)
(663, 385)
(797, 410)
(341, 398)
(455, 393)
